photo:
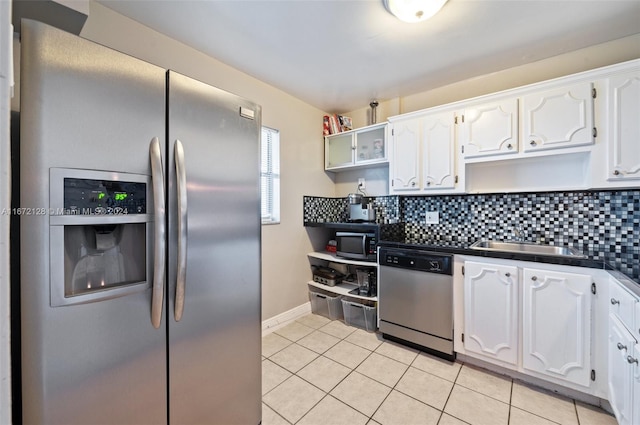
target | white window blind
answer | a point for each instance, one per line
(270, 175)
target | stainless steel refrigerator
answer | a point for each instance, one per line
(140, 241)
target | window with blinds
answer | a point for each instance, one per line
(270, 175)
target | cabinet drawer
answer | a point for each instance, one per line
(622, 304)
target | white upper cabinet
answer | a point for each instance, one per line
(363, 147)
(576, 132)
(404, 166)
(490, 129)
(558, 118)
(438, 151)
(556, 321)
(338, 151)
(624, 127)
(423, 155)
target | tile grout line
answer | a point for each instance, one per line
(449, 396)
(510, 405)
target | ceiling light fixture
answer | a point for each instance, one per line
(414, 10)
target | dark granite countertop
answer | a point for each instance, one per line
(464, 249)
(461, 248)
(344, 226)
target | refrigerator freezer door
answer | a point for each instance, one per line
(84, 106)
(215, 348)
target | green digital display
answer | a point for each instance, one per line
(104, 197)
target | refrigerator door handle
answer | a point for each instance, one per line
(159, 254)
(181, 186)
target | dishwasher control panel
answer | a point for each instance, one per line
(417, 260)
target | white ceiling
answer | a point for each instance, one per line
(338, 55)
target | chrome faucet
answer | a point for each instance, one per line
(519, 233)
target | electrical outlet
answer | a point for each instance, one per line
(432, 217)
(361, 184)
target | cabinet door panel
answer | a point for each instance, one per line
(624, 137)
(557, 325)
(438, 151)
(339, 151)
(370, 145)
(406, 139)
(491, 311)
(620, 374)
(491, 129)
(635, 415)
(558, 118)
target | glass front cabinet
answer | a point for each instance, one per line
(362, 147)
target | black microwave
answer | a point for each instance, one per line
(356, 245)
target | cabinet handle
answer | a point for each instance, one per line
(507, 274)
(616, 173)
(413, 183)
(534, 278)
(631, 360)
(509, 146)
(533, 143)
(428, 183)
(614, 301)
(621, 347)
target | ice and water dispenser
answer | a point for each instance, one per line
(99, 235)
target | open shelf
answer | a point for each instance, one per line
(330, 256)
(342, 289)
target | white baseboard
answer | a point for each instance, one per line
(285, 318)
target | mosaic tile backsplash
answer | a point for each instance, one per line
(602, 225)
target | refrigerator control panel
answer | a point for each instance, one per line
(104, 197)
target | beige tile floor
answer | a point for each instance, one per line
(318, 371)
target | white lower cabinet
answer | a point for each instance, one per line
(556, 325)
(491, 311)
(636, 383)
(621, 345)
(624, 354)
(545, 315)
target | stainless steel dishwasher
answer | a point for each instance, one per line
(415, 296)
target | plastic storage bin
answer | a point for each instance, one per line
(360, 315)
(326, 305)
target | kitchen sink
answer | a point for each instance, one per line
(528, 248)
